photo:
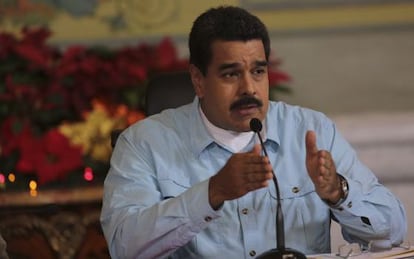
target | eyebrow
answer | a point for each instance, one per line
(259, 63)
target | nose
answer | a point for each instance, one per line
(247, 85)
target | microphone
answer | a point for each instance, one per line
(281, 252)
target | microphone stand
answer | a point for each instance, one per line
(281, 252)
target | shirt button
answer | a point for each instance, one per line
(349, 204)
(245, 211)
(295, 189)
(252, 253)
(207, 219)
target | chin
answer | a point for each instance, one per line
(244, 126)
(242, 123)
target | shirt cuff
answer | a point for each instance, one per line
(344, 193)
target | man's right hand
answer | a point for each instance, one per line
(243, 173)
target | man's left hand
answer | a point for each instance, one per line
(322, 170)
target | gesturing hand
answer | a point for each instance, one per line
(243, 173)
(322, 170)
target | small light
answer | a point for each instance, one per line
(32, 185)
(11, 177)
(33, 193)
(2, 179)
(88, 174)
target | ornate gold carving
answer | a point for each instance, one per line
(64, 231)
(147, 13)
(57, 224)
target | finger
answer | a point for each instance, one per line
(327, 164)
(255, 155)
(326, 160)
(257, 185)
(325, 175)
(311, 147)
(258, 177)
(257, 149)
(323, 162)
(254, 159)
(319, 170)
(252, 163)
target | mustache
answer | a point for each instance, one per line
(246, 101)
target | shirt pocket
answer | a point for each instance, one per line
(315, 218)
(306, 218)
(309, 223)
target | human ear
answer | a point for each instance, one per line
(197, 79)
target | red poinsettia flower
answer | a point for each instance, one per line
(20, 91)
(30, 150)
(165, 54)
(33, 48)
(129, 67)
(166, 57)
(7, 43)
(13, 132)
(51, 157)
(277, 77)
(44, 88)
(68, 63)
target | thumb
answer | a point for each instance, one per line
(311, 147)
(257, 149)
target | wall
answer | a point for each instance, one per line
(350, 72)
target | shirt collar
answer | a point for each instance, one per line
(235, 141)
(200, 137)
(272, 119)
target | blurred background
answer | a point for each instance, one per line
(350, 59)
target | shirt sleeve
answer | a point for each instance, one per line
(138, 221)
(370, 213)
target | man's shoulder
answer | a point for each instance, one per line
(170, 120)
(282, 108)
(296, 114)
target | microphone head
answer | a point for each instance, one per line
(255, 125)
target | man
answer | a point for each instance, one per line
(192, 182)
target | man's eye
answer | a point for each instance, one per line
(259, 71)
(230, 74)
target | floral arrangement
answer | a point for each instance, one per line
(59, 107)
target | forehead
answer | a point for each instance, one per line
(237, 51)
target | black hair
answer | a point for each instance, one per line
(226, 23)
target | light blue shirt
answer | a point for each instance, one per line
(156, 205)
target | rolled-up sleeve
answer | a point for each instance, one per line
(371, 213)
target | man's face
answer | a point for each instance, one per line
(236, 86)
